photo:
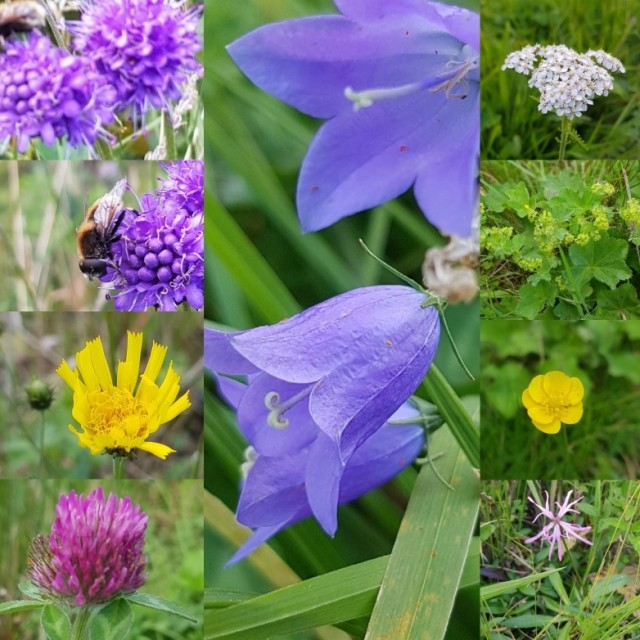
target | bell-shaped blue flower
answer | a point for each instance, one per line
(274, 492)
(327, 379)
(398, 82)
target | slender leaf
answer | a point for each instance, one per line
(153, 602)
(500, 589)
(454, 414)
(428, 559)
(17, 606)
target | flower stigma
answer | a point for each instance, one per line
(453, 82)
(272, 402)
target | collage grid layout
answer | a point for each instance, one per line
(256, 414)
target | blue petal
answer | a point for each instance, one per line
(253, 413)
(273, 492)
(259, 536)
(221, 357)
(353, 401)
(362, 159)
(309, 62)
(313, 343)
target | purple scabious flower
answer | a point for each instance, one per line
(158, 260)
(328, 378)
(49, 94)
(556, 531)
(145, 48)
(184, 184)
(94, 552)
(398, 82)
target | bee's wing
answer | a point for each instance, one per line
(110, 204)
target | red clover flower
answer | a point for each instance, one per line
(94, 552)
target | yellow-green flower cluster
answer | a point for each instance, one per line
(603, 189)
(529, 264)
(546, 231)
(495, 239)
(630, 213)
(552, 399)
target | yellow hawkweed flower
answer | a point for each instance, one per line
(552, 399)
(119, 418)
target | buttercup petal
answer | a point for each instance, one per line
(576, 392)
(556, 383)
(536, 390)
(571, 415)
(553, 427)
(541, 415)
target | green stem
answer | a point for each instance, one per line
(564, 137)
(582, 308)
(454, 414)
(41, 473)
(118, 467)
(81, 624)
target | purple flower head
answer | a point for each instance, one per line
(555, 531)
(145, 48)
(398, 82)
(273, 494)
(327, 379)
(48, 94)
(184, 184)
(159, 259)
(94, 552)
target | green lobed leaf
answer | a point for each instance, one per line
(419, 589)
(113, 621)
(534, 297)
(620, 304)
(602, 259)
(153, 602)
(55, 622)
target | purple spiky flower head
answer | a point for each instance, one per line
(146, 48)
(49, 94)
(159, 259)
(94, 552)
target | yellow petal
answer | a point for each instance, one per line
(576, 393)
(180, 405)
(556, 383)
(571, 415)
(100, 364)
(158, 353)
(554, 427)
(157, 449)
(528, 401)
(68, 374)
(128, 370)
(541, 415)
(536, 392)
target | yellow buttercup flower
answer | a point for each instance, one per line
(119, 418)
(553, 398)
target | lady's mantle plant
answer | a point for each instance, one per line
(84, 574)
(567, 245)
(323, 382)
(398, 83)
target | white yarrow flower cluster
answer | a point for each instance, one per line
(567, 80)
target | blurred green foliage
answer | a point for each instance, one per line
(604, 355)
(512, 126)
